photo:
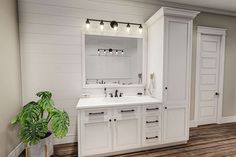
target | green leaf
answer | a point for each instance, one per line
(30, 112)
(59, 123)
(46, 104)
(44, 95)
(14, 120)
(33, 132)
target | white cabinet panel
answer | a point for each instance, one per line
(96, 132)
(127, 133)
(175, 124)
(177, 60)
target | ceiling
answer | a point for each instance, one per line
(227, 5)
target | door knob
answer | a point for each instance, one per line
(217, 94)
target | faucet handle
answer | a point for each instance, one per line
(121, 94)
(111, 95)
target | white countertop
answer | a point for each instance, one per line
(110, 102)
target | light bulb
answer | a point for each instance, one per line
(87, 24)
(98, 52)
(102, 25)
(115, 28)
(128, 27)
(122, 52)
(140, 29)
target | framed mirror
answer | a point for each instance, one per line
(112, 61)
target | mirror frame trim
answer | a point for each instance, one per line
(144, 61)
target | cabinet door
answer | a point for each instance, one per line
(177, 61)
(96, 130)
(175, 124)
(127, 129)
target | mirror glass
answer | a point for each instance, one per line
(113, 60)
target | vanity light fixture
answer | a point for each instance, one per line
(110, 50)
(140, 29)
(102, 25)
(87, 24)
(128, 27)
(114, 24)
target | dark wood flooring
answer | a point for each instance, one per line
(205, 141)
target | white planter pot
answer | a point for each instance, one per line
(39, 150)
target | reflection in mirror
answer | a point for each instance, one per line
(113, 60)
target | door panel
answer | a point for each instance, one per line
(175, 124)
(96, 136)
(208, 79)
(176, 63)
(127, 133)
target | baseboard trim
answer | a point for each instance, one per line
(228, 119)
(17, 151)
(68, 139)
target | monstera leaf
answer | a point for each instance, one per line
(46, 103)
(32, 132)
(30, 112)
(59, 123)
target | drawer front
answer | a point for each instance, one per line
(152, 121)
(96, 115)
(151, 138)
(127, 111)
(155, 108)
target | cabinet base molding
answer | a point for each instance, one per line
(137, 149)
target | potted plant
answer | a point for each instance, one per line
(38, 121)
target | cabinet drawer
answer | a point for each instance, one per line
(151, 138)
(152, 121)
(95, 115)
(126, 111)
(155, 108)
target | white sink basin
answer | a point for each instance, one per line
(119, 100)
(106, 102)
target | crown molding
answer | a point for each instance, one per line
(161, 3)
(167, 11)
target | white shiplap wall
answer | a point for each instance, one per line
(50, 36)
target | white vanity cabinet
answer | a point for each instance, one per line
(107, 130)
(169, 58)
(113, 128)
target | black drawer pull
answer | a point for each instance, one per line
(126, 111)
(148, 138)
(96, 113)
(151, 109)
(155, 121)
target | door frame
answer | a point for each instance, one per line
(202, 30)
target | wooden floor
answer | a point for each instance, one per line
(205, 141)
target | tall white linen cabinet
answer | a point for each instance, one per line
(169, 58)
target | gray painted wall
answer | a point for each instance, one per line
(10, 83)
(228, 22)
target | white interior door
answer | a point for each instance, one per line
(208, 69)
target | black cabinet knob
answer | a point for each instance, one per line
(217, 93)
(166, 88)
(165, 107)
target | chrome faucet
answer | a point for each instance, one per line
(116, 94)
